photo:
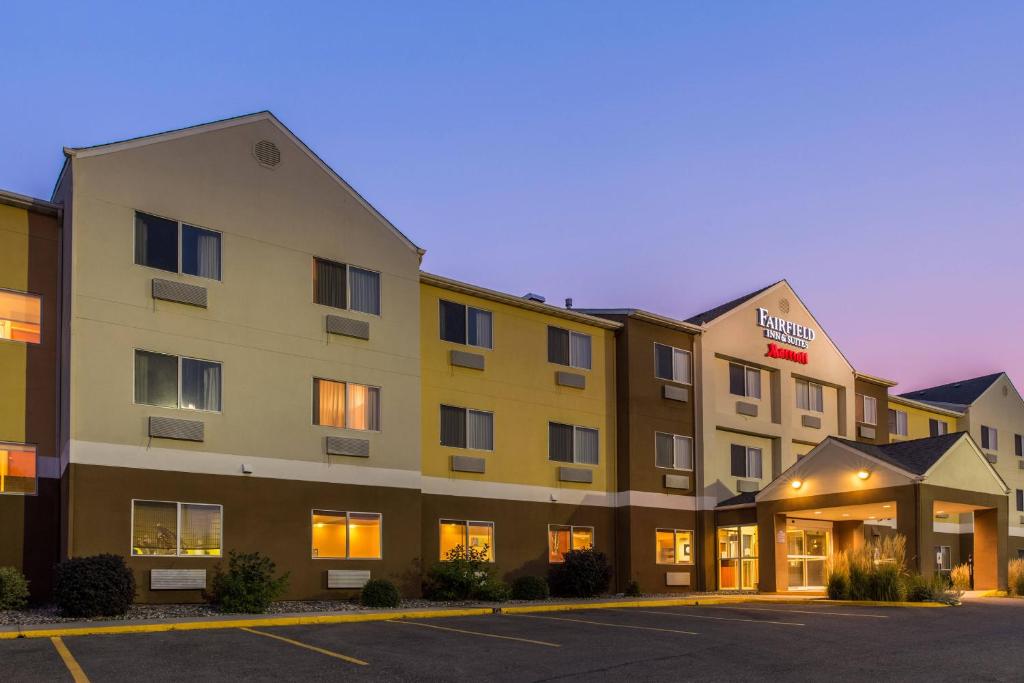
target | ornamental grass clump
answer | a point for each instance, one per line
(961, 577)
(1015, 576)
(875, 571)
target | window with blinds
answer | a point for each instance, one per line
(672, 364)
(346, 405)
(462, 324)
(172, 381)
(672, 451)
(172, 529)
(347, 535)
(467, 428)
(344, 286)
(572, 444)
(569, 348)
(176, 247)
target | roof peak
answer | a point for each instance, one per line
(961, 392)
(720, 310)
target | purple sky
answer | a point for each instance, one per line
(664, 156)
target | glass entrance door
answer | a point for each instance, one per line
(806, 551)
(737, 558)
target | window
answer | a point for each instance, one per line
(746, 461)
(346, 405)
(457, 536)
(1020, 500)
(809, 396)
(673, 451)
(17, 469)
(897, 422)
(672, 364)
(464, 428)
(744, 381)
(1018, 444)
(156, 246)
(569, 443)
(176, 529)
(737, 558)
(989, 438)
(343, 286)
(463, 324)
(562, 539)
(568, 348)
(347, 535)
(674, 546)
(20, 316)
(867, 409)
(937, 427)
(176, 381)
(942, 558)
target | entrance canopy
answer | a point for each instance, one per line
(872, 513)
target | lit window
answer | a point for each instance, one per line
(176, 529)
(346, 405)
(344, 286)
(156, 246)
(746, 461)
(744, 381)
(17, 468)
(569, 443)
(463, 324)
(809, 396)
(569, 348)
(867, 409)
(176, 381)
(464, 428)
(674, 546)
(20, 316)
(898, 422)
(671, 364)
(562, 539)
(673, 451)
(458, 535)
(347, 535)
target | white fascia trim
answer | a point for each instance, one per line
(471, 488)
(1017, 531)
(665, 501)
(953, 528)
(229, 464)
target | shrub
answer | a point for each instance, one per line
(920, 589)
(1015, 574)
(581, 574)
(493, 590)
(248, 586)
(379, 593)
(838, 586)
(886, 584)
(633, 589)
(464, 574)
(860, 582)
(961, 577)
(13, 589)
(530, 588)
(95, 586)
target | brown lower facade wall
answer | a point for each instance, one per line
(272, 516)
(638, 549)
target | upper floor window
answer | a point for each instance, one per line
(464, 428)
(343, 286)
(746, 461)
(464, 324)
(459, 537)
(570, 443)
(744, 381)
(176, 247)
(17, 468)
(176, 381)
(898, 422)
(562, 539)
(809, 396)
(1020, 500)
(867, 409)
(1018, 444)
(171, 529)
(937, 427)
(675, 546)
(672, 364)
(673, 451)
(347, 535)
(20, 316)
(989, 438)
(568, 348)
(346, 405)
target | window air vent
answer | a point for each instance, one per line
(267, 153)
(784, 305)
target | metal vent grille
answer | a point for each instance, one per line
(179, 292)
(360, 329)
(341, 445)
(347, 578)
(267, 153)
(170, 428)
(784, 305)
(177, 579)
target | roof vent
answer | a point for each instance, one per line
(530, 296)
(267, 153)
(784, 305)
(568, 303)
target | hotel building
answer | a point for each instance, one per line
(232, 350)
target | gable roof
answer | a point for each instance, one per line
(916, 456)
(962, 393)
(718, 311)
(107, 148)
(742, 500)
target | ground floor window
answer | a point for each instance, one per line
(562, 539)
(20, 316)
(737, 557)
(347, 535)
(806, 550)
(17, 468)
(170, 529)
(458, 535)
(674, 546)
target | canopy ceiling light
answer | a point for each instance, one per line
(796, 483)
(863, 474)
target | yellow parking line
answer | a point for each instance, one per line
(605, 623)
(314, 648)
(805, 611)
(475, 633)
(69, 661)
(686, 615)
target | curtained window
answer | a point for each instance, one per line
(347, 287)
(463, 324)
(746, 461)
(364, 286)
(569, 443)
(156, 379)
(569, 348)
(346, 405)
(329, 283)
(200, 384)
(744, 381)
(200, 252)
(464, 428)
(176, 529)
(671, 364)
(672, 451)
(809, 396)
(158, 241)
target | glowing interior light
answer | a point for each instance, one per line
(863, 474)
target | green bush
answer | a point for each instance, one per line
(95, 586)
(248, 586)
(838, 586)
(379, 593)
(493, 590)
(530, 588)
(633, 589)
(581, 574)
(13, 589)
(464, 574)
(885, 584)
(920, 589)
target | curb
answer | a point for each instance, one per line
(668, 602)
(877, 603)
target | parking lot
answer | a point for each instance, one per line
(794, 642)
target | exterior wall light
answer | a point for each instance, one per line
(863, 474)
(796, 483)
